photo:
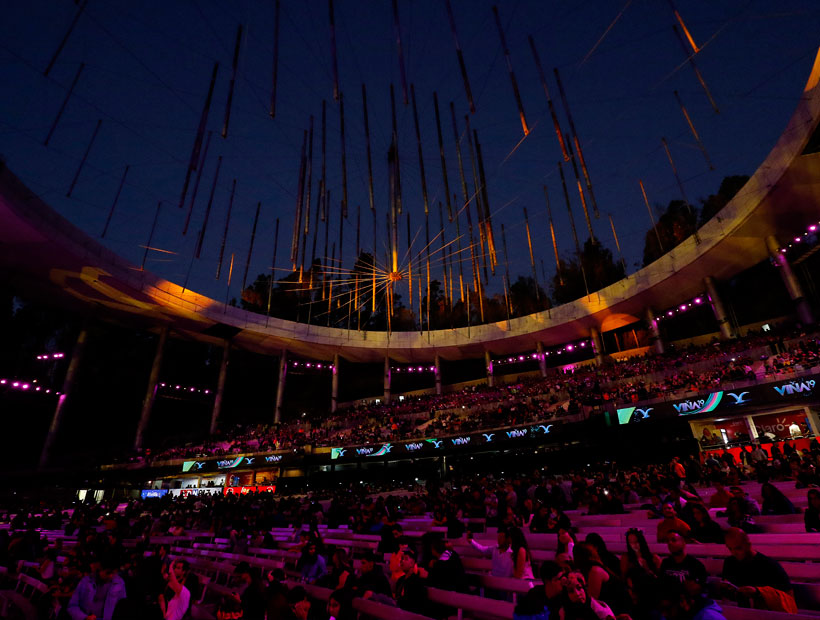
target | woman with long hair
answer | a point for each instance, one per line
(602, 584)
(638, 555)
(774, 502)
(812, 514)
(522, 560)
(704, 528)
(609, 559)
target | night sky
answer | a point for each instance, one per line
(148, 66)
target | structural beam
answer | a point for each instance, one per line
(597, 345)
(151, 389)
(792, 284)
(438, 375)
(654, 331)
(387, 378)
(280, 386)
(220, 386)
(488, 362)
(726, 331)
(334, 385)
(542, 360)
(62, 399)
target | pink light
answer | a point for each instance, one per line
(682, 307)
(2, 382)
(48, 391)
(25, 386)
(520, 358)
(308, 364)
(570, 347)
(318, 365)
(178, 387)
(412, 369)
(37, 389)
(583, 344)
(797, 239)
(670, 313)
(813, 227)
(15, 384)
(698, 300)
(207, 391)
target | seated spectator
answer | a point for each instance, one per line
(774, 502)
(638, 556)
(501, 554)
(97, 594)
(311, 564)
(566, 543)
(579, 605)
(340, 606)
(721, 496)
(750, 505)
(298, 604)
(371, 580)
(522, 560)
(680, 566)
(601, 583)
(251, 592)
(812, 514)
(704, 528)
(338, 572)
(609, 559)
(671, 523)
(543, 603)
(177, 605)
(754, 578)
(410, 594)
(737, 516)
(447, 571)
(677, 602)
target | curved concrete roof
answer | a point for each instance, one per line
(44, 254)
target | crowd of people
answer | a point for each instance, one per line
(524, 401)
(102, 577)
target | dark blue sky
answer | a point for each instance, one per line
(148, 67)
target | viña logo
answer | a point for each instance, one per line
(741, 398)
(488, 437)
(460, 441)
(795, 387)
(689, 405)
(364, 450)
(518, 432)
(436, 442)
(413, 446)
(274, 458)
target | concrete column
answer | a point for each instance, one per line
(726, 331)
(654, 332)
(220, 386)
(488, 362)
(334, 385)
(791, 282)
(542, 360)
(597, 345)
(151, 389)
(387, 378)
(280, 386)
(68, 384)
(438, 375)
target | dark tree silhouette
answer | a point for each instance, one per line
(673, 227)
(715, 202)
(600, 270)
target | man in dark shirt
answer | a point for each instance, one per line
(411, 594)
(747, 570)
(680, 566)
(371, 579)
(447, 571)
(549, 598)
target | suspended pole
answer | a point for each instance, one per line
(689, 37)
(330, 285)
(482, 255)
(421, 157)
(441, 155)
(513, 81)
(225, 231)
(64, 40)
(273, 268)
(85, 157)
(396, 145)
(443, 250)
(474, 260)
(150, 236)
(551, 106)
(617, 243)
(275, 58)
(234, 71)
(506, 274)
(323, 180)
(410, 270)
(369, 155)
(581, 194)
(690, 58)
(680, 186)
(203, 121)
(200, 168)
(402, 72)
(694, 131)
(358, 230)
(333, 57)
(375, 248)
(344, 158)
(250, 245)
(202, 230)
(572, 226)
(651, 217)
(466, 200)
(230, 276)
(325, 255)
(308, 187)
(114, 204)
(554, 239)
(577, 143)
(485, 201)
(532, 257)
(460, 56)
(297, 214)
(64, 104)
